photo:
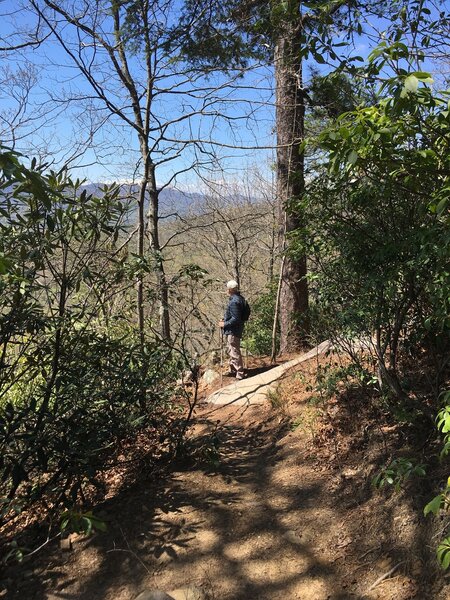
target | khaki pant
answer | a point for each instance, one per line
(234, 352)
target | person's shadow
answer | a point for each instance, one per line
(252, 371)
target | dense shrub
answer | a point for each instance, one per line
(75, 376)
(378, 229)
(258, 330)
(104, 393)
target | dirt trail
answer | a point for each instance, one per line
(257, 528)
(257, 520)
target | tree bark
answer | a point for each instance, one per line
(153, 223)
(290, 114)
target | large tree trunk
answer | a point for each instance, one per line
(290, 113)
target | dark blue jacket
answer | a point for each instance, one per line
(232, 320)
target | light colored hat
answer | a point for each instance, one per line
(232, 284)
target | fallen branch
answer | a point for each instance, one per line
(384, 576)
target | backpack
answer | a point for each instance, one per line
(246, 310)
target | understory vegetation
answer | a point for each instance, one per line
(75, 377)
(378, 235)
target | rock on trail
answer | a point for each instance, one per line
(254, 390)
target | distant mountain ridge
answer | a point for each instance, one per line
(171, 200)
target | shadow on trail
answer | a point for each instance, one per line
(229, 529)
(404, 538)
(252, 371)
(211, 528)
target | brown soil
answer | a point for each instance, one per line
(274, 503)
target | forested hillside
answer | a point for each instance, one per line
(151, 151)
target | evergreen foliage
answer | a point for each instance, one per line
(75, 377)
(369, 213)
(378, 227)
(258, 330)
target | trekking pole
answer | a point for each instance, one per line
(221, 357)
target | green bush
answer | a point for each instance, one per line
(258, 330)
(398, 472)
(106, 391)
(440, 504)
(75, 375)
(330, 380)
(377, 229)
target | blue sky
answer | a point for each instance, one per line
(62, 117)
(66, 124)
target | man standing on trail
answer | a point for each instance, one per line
(233, 326)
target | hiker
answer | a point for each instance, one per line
(233, 325)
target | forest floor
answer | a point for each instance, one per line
(274, 502)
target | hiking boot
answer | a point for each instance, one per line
(240, 376)
(230, 374)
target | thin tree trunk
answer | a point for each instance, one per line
(276, 313)
(140, 253)
(290, 112)
(163, 288)
(273, 244)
